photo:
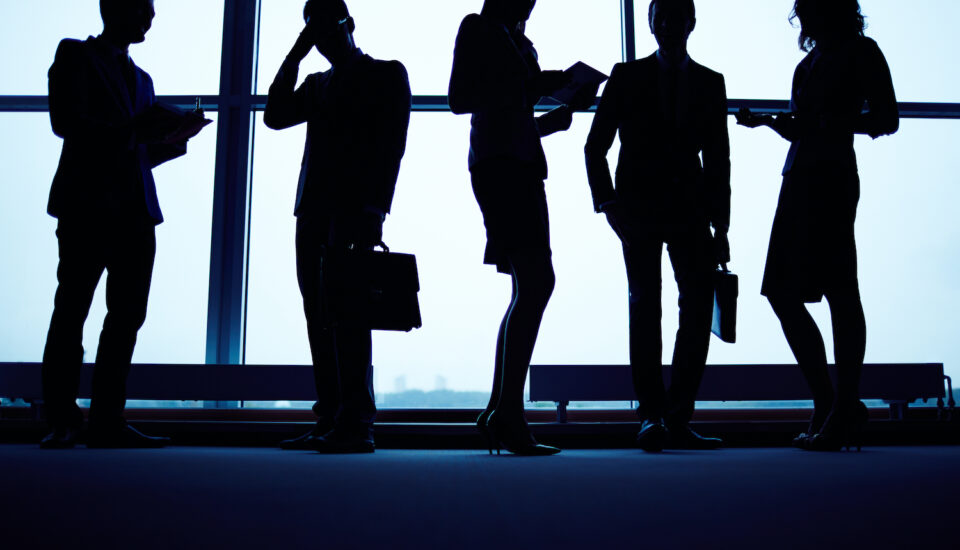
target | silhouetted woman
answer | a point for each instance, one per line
(497, 79)
(812, 250)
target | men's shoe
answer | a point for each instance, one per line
(342, 443)
(682, 437)
(60, 438)
(125, 437)
(651, 436)
(305, 442)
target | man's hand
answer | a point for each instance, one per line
(721, 246)
(618, 221)
(305, 42)
(557, 120)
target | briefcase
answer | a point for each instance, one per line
(370, 289)
(725, 290)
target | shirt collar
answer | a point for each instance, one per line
(666, 66)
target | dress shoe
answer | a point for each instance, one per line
(125, 437)
(651, 436)
(305, 441)
(343, 442)
(60, 438)
(682, 437)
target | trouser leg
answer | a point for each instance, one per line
(642, 259)
(78, 274)
(311, 238)
(693, 266)
(355, 372)
(129, 273)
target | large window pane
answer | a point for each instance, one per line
(182, 51)
(421, 34)
(753, 44)
(176, 321)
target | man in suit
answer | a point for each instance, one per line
(105, 200)
(668, 110)
(357, 115)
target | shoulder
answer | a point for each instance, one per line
(390, 72)
(866, 46)
(705, 72)
(635, 67)
(70, 48)
(474, 26)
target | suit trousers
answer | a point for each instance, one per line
(342, 356)
(692, 256)
(125, 250)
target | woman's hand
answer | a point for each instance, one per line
(557, 120)
(746, 117)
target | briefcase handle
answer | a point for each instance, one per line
(723, 267)
(381, 244)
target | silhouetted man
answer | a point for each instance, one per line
(105, 200)
(357, 115)
(668, 110)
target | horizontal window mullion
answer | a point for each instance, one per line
(438, 103)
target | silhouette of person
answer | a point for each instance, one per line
(357, 114)
(497, 79)
(812, 251)
(668, 110)
(105, 200)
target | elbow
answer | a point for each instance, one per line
(270, 119)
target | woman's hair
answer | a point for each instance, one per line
(827, 19)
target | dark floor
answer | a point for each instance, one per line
(884, 497)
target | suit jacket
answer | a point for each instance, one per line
(357, 116)
(660, 178)
(103, 171)
(495, 77)
(831, 86)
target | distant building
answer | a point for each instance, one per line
(400, 384)
(440, 383)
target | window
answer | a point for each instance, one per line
(905, 230)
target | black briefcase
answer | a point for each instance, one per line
(370, 289)
(726, 287)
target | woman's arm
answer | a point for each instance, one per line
(882, 116)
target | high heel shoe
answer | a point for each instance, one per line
(516, 438)
(485, 430)
(816, 423)
(841, 430)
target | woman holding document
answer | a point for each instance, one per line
(812, 251)
(496, 78)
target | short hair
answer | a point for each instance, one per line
(687, 5)
(326, 9)
(108, 8)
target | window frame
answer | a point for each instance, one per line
(236, 105)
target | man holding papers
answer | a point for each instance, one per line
(105, 200)
(668, 110)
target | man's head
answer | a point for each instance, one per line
(510, 12)
(672, 21)
(127, 20)
(332, 25)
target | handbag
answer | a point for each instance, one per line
(370, 289)
(726, 287)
